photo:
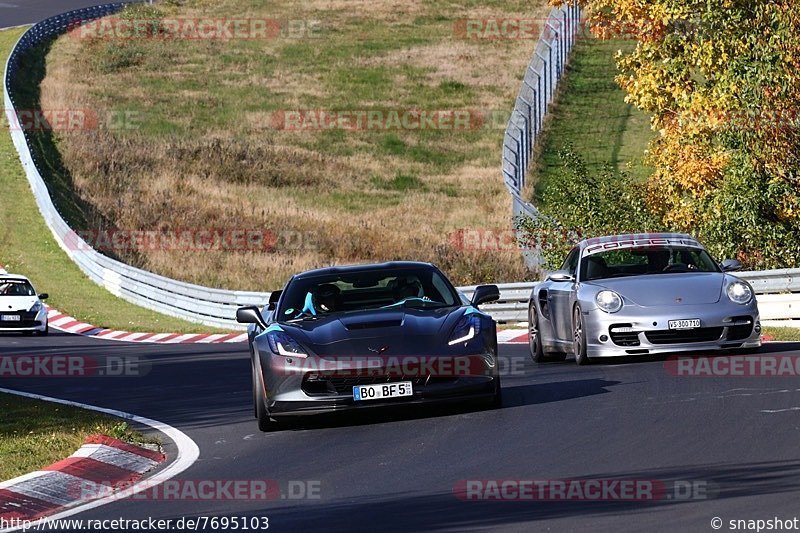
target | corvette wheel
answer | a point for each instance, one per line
(265, 423)
(254, 388)
(579, 336)
(497, 399)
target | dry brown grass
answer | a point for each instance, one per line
(205, 156)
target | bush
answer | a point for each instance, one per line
(579, 205)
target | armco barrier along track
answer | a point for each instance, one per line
(217, 308)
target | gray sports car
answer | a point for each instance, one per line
(366, 336)
(641, 294)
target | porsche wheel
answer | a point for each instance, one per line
(534, 339)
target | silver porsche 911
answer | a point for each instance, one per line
(641, 294)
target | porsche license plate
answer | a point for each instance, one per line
(692, 323)
(10, 318)
(384, 390)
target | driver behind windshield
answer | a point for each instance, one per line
(407, 288)
(326, 298)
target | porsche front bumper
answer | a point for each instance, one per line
(638, 330)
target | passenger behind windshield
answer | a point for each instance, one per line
(9, 287)
(646, 261)
(323, 295)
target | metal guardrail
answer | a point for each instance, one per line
(212, 307)
(777, 292)
(217, 307)
(530, 108)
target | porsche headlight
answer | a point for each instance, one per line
(282, 344)
(467, 328)
(608, 301)
(740, 292)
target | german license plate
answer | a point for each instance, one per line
(382, 391)
(691, 323)
(10, 318)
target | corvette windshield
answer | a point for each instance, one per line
(15, 287)
(358, 291)
(645, 262)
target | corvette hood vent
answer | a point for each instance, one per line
(374, 324)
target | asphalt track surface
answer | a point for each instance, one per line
(396, 470)
(19, 12)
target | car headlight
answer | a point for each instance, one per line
(467, 328)
(740, 292)
(282, 344)
(608, 301)
(36, 307)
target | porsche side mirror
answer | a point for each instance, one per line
(484, 294)
(273, 300)
(731, 265)
(44, 296)
(561, 276)
(250, 315)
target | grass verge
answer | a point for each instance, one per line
(591, 116)
(35, 434)
(783, 334)
(206, 145)
(27, 247)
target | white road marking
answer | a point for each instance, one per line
(188, 453)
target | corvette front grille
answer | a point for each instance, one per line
(330, 385)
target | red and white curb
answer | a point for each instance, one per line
(101, 461)
(187, 454)
(61, 322)
(512, 336)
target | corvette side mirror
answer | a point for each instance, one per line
(250, 315)
(273, 300)
(731, 265)
(484, 294)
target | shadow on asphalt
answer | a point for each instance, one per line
(445, 511)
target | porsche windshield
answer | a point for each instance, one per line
(646, 261)
(358, 291)
(15, 287)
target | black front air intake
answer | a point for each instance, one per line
(623, 335)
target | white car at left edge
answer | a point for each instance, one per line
(21, 308)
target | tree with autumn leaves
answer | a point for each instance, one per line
(721, 79)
